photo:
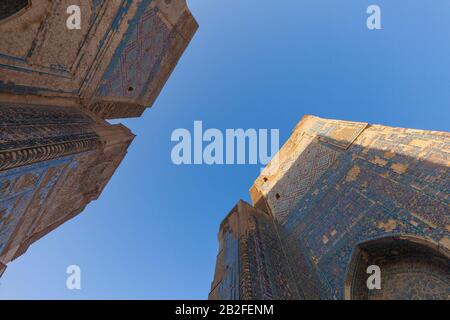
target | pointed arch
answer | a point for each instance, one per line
(411, 268)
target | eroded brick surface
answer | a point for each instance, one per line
(57, 86)
(338, 185)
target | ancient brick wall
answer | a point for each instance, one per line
(337, 185)
(34, 133)
(114, 66)
(56, 88)
(53, 161)
(251, 263)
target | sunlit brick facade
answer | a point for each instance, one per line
(57, 88)
(342, 196)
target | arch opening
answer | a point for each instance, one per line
(410, 270)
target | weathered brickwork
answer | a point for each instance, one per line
(43, 180)
(337, 186)
(251, 262)
(34, 133)
(114, 66)
(304, 158)
(57, 152)
(410, 271)
(19, 186)
(140, 58)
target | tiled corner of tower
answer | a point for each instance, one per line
(53, 162)
(152, 44)
(251, 263)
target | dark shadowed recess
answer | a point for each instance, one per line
(10, 7)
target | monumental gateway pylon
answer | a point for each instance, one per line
(58, 86)
(339, 198)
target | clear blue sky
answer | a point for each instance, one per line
(252, 64)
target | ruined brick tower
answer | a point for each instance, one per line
(58, 87)
(341, 196)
